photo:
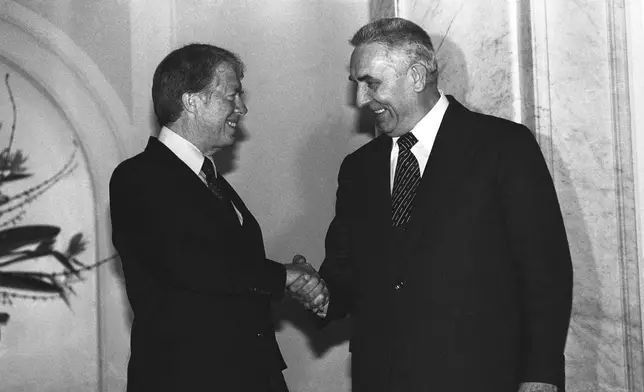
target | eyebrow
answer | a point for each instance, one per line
(362, 78)
(238, 89)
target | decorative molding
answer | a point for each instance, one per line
(82, 66)
(90, 104)
(625, 196)
(635, 48)
(540, 62)
(514, 42)
(523, 81)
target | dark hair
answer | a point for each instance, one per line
(400, 35)
(189, 69)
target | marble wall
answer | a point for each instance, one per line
(382, 9)
(561, 68)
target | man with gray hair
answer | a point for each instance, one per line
(448, 248)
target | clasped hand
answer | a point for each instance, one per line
(305, 284)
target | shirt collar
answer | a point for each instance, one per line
(427, 128)
(183, 149)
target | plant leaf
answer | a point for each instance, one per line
(17, 237)
(24, 281)
(14, 177)
(14, 163)
(45, 246)
(76, 245)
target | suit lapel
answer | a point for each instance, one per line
(376, 170)
(182, 180)
(449, 161)
(380, 195)
(237, 201)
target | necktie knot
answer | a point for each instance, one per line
(208, 169)
(217, 186)
(407, 141)
(212, 180)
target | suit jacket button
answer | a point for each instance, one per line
(260, 334)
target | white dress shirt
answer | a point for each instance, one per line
(190, 155)
(425, 131)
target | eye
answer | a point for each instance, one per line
(372, 85)
(233, 97)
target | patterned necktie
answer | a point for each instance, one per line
(406, 180)
(214, 184)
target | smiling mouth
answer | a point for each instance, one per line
(379, 111)
(231, 123)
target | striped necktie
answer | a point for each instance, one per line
(406, 180)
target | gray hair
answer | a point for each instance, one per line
(401, 35)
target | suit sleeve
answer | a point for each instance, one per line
(337, 268)
(147, 238)
(539, 245)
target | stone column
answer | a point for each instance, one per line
(561, 68)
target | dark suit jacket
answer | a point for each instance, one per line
(198, 282)
(476, 294)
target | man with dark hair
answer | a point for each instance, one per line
(448, 248)
(196, 274)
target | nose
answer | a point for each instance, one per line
(362, 98)
(240, 106)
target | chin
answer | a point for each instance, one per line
(386, 131)
(229, 142)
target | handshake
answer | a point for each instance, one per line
(305, 285)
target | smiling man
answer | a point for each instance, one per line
(196, 274)
(447, 248)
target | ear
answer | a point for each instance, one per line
(418, 73)
(189, 101)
